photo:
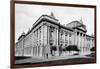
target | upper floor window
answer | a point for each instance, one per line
(39, 32)
(62, 34)
(70, 42)
(66, 34)
(51, 34)
(77, 33)
(81, 34)
(70, 35)
(84, 35)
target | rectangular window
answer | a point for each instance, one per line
(38, 50)
(70, 42)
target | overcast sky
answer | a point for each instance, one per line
(26, 15)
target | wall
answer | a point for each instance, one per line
(5, 33)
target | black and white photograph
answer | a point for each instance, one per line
(50, 34)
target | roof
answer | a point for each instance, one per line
(90, 36)
(47, 18)
(22, 35)
(51, 19)
(76, 23)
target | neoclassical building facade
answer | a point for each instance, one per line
(47, 34)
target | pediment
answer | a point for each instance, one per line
(82, 28)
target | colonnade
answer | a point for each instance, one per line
(80, 41)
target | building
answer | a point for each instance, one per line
(48, 37)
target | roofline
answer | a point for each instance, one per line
(66, 27)
(21, 36)
(77, 21)
(45, 19)
(80, 29)
(90, 36)
(34, 25)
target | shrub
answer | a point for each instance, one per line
(54, 48)
(72, 48)
(92, 49)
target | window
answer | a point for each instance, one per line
(81, 34)
(70, 35)
(37, 36)
(51, 32)
(70, 42)
(35, 50)
(61, 34)
(84, 35)
(66, 36)
(38, 50)
(39, 32)
(77, 33)
(66, 44)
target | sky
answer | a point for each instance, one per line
(26, 15)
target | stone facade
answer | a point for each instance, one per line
(48, 34)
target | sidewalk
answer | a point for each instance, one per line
(53, 58)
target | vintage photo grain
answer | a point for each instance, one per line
(47, 34)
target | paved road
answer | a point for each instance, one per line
(55, 58)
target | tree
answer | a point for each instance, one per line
(92, 49)
(60, 49)
(64, 49)
(71, 48)
(54, 48)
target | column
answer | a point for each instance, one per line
(48, 45)
(23, 47)
(44, 34)
(48, 32)
(43, 41)
(41, 47)
(54, 36)
(79, 40)
(37, 40)
(82, 42)
(38, 36)
(57, 41)
(64, 38)
(68, 39)
(75, 38)
(35, 50)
